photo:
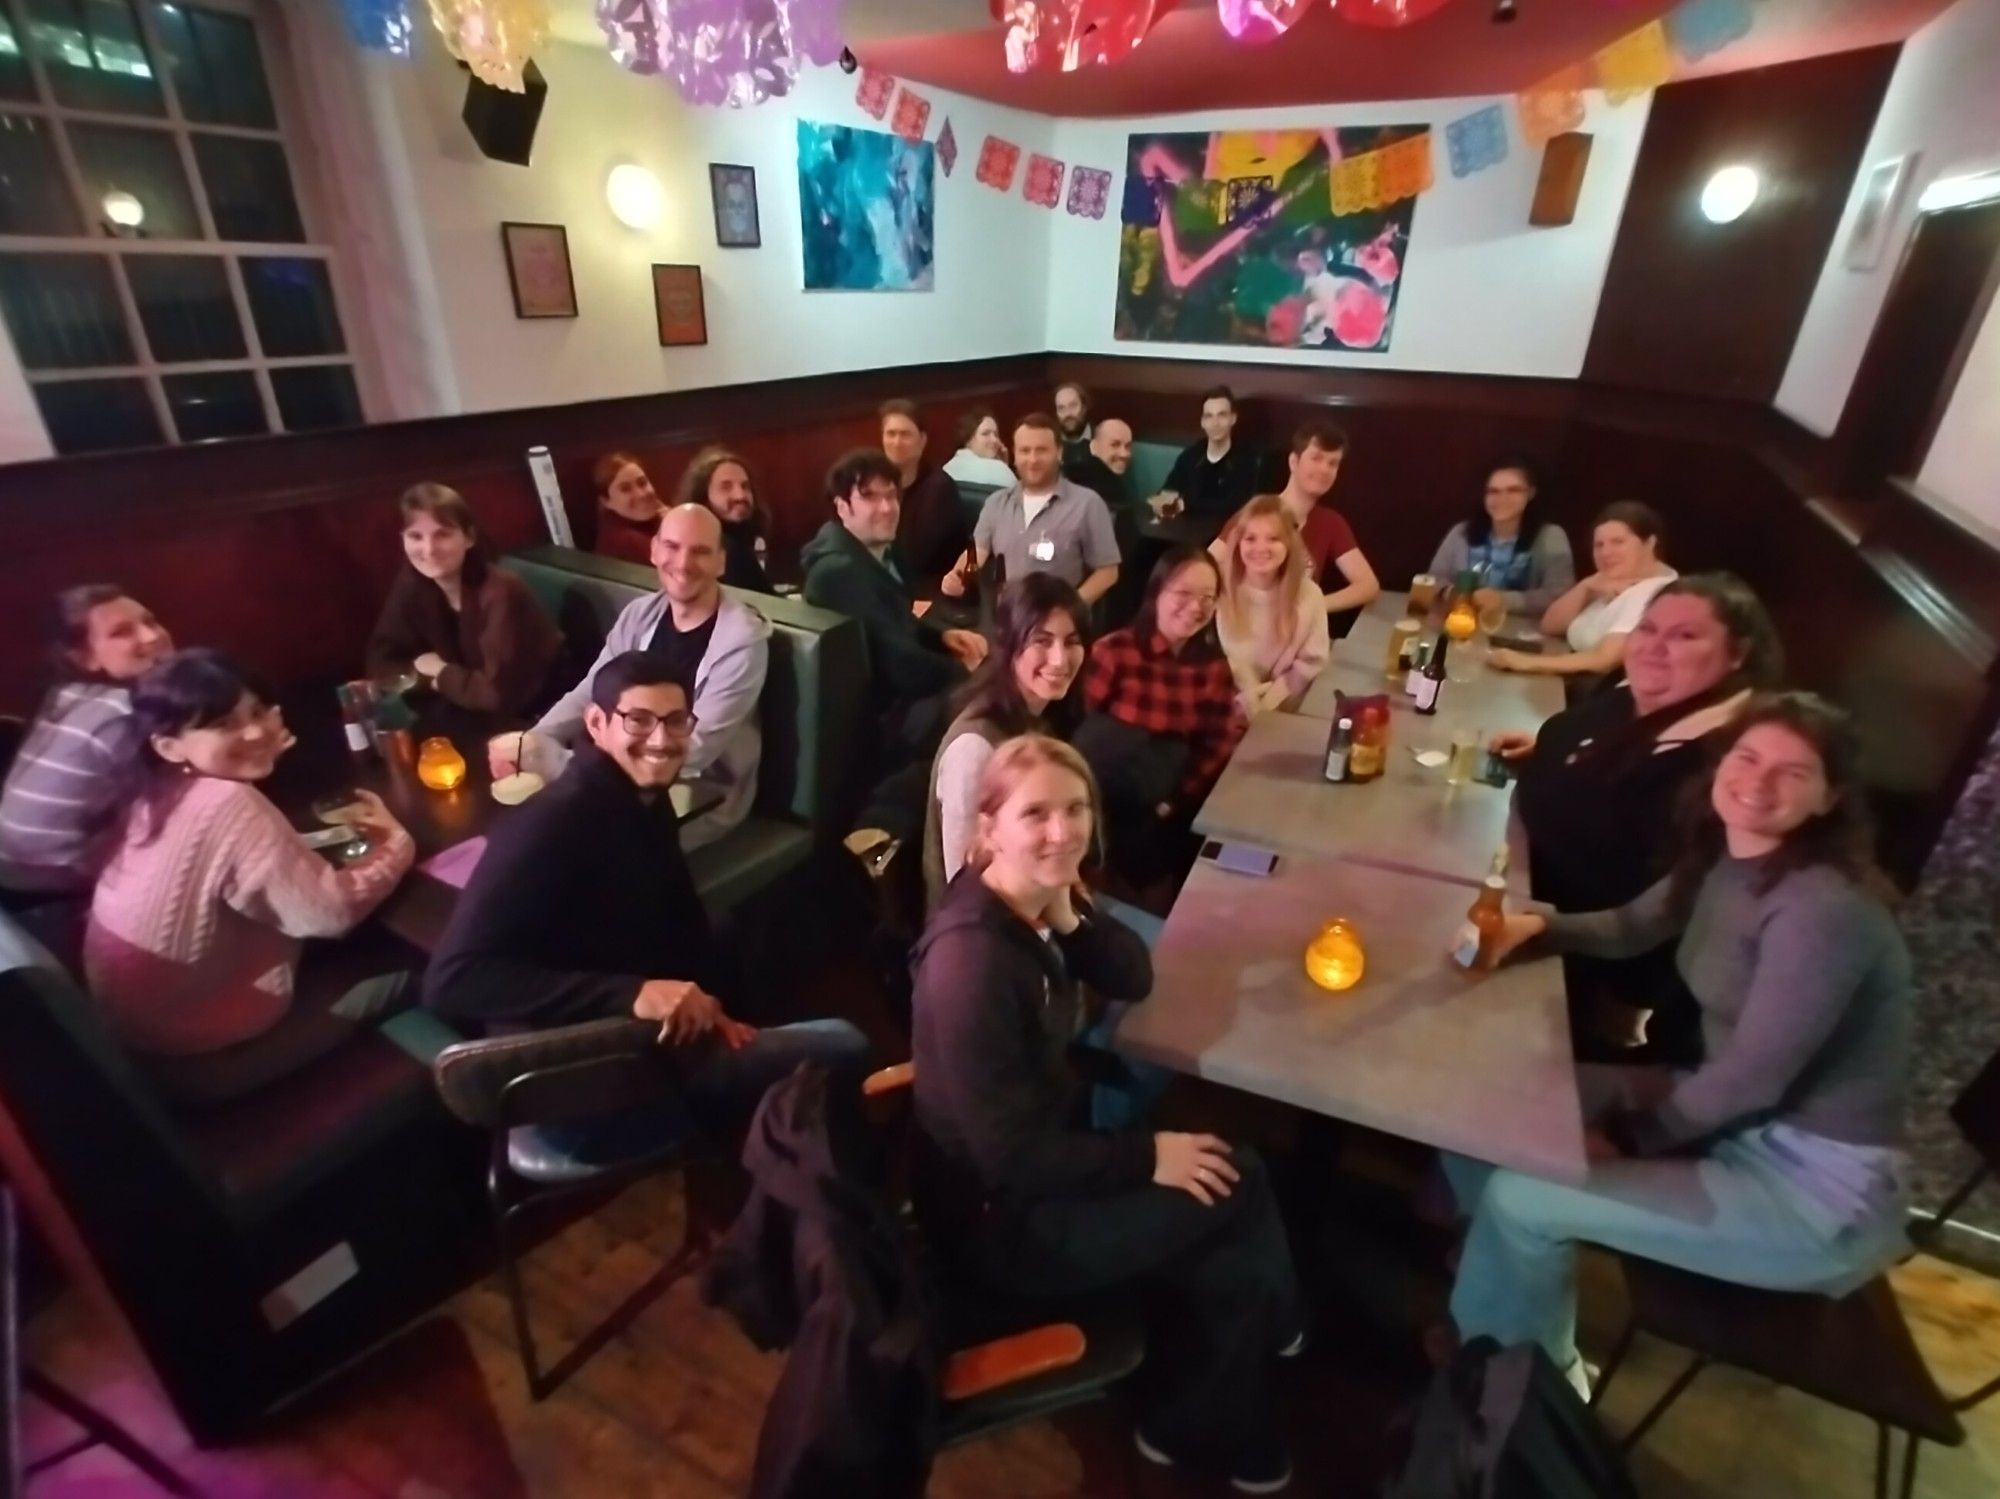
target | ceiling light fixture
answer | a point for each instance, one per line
(124, 212)
(635, 197)
(1729, 194)
(1504, 11)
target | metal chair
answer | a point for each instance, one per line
(517, 1087)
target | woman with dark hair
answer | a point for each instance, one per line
(1040, 630)
(981, 457)
(195, 938)
(720, 480)
(1599, 784)
(469, 629)
(1779, 1161)
(628, 508)
(58, 812)
(1521, 558)
(1596, 615)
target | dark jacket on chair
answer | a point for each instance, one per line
(907, 660)
(816, 1262)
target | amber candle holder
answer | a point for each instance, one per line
(440, 766)
(1334, 959)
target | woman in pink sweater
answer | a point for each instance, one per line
(195, 938)
(1271, 616)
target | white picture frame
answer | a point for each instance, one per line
(1875, 215)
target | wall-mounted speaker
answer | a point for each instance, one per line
(1564, 159)
(503, 123)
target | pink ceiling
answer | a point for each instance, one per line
(1188, 62)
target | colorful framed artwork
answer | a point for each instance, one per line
(734, 191)
(538, 270)
(677, 305)
(1875, 217)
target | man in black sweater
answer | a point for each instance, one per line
(1217, 476)
(582, 908)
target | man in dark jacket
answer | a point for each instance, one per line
(853, 566)
(582, 908)
(935, 527)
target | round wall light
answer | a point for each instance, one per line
(1729, 194)
(123, 209)
(635, 197)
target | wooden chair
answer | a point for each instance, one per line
(1855, 1352)
(516, 1088)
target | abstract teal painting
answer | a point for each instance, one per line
(867, 210)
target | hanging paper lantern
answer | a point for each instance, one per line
(1260, 20)
(1072, 34)
(733, 52)
(1035, 31)
(1386, 12)
(494, 38)
(378, 25)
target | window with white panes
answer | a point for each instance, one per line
(158, 273)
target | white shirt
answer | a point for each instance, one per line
(1033, 505)
(1604, 617)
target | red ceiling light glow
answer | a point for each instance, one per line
(1386, 12)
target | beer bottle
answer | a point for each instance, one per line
(1430, 681)
(1339, 749)
(1364, 759)
(1418, 656)
(1483, 921)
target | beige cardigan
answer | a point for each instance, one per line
(1273, 666)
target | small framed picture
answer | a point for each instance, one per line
(678, 306)
(1875, 218)
(734, 190)
(538, 270)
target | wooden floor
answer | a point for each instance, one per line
(673, 1409)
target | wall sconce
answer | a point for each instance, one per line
(635, 197)
(1729, 194)
(123, 213)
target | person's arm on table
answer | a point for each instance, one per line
(1362, 585)
(1604, 657)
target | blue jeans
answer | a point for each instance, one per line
(713, 1091)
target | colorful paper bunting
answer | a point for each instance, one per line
(1552, 106)
(733, 52)
(873, 91)
(1701, 27)
(1044, 181)
(1406, 169)
(378, 25)
(997, 161)
(1357, 183)
(1089, 192)
(947, 148)
(913, 116)
(1636, 63)
(1477, 141)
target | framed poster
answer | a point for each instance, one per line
(678, 306)
(1881, 194)
(734, 191)
(538, 271)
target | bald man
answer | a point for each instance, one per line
(715, 646)
(1102, 465)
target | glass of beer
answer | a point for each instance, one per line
(1464, 762)
(1493, 617)
(1423, 594)
(1402, 635)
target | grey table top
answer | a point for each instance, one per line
(1478, 1064)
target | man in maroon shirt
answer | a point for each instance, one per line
(1340, 569)
(935, 528)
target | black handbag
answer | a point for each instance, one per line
(1133, 766)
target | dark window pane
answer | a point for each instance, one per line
(291, 302)
(249, 189)
(217, 70)
(16, 82)
(186, 308)
(34, 199)
(316, 395)
(63, 311)
(93, 55)
(223, 404)
(88, 416)
(144, 163)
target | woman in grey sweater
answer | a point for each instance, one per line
(1521, 558)
(1777, 1162)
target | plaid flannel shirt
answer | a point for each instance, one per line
(1192, 697)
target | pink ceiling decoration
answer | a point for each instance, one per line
(1072, 34)
(1260, 20)
(733, 52)
(1386, 12)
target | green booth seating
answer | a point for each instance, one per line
(973, 497)
(813, 714)
(1151, 463)
(259, 1245)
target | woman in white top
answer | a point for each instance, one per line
(982, 453)
(1271, 616)
(1597, 614)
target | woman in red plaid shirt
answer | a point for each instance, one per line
(1167, 716)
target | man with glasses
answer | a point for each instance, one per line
(582, 908)
(717, 649)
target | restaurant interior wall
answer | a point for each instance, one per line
(1482, 293)
(1942, 103)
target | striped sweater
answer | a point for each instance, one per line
(196, 926)
(57, 813)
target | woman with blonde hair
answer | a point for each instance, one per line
(1020, 1195)
(1272, 616)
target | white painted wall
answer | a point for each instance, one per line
(1483, 292)
(1944, 101)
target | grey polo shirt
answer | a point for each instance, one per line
(1071, 536)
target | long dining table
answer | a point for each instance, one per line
(1473, 1062)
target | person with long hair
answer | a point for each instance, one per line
(472, 631)
(1600, 781)
(1520, 557)
(981, 456)
(1040, 633)
(58, 812)
(1596, 614)
(720, 480)
(1779, 1161)
(1271, 617)
(628, 507)
(1019, 1196)
(195, 948)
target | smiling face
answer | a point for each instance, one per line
(1314, 471)
(1111, 441)
(1768, 786)
(1262, 547)
(1037, 457)
(242, 746)
(646, 734)
(1047, 665)
(1187, 603)
(1218, 419)
(986, 440)
(1040, 834)
(1678, 648)
(729, 493)
(435, 549)
(631, 495)
(903, 441)
(870, 512)
(122, 641)
(1507, 494)
(1620, 552)
(687, 554)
